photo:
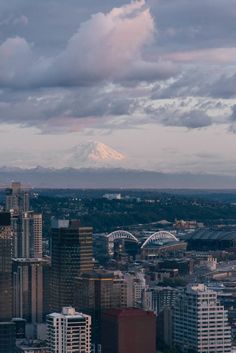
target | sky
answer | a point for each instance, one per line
(154, 79)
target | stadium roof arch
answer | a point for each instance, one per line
(159, 236)
(122, 234)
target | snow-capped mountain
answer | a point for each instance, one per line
(92, 154)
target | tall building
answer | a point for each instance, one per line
(29, 234)
(71, 255)
(95, 292)
(26, 224)
(28, 289)
(7, 328)
(17, 200)
(6, 252)
(69, 332)
(200, 323)
(128, 331)
(38, 235)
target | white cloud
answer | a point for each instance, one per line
(15, 59)
(107, 47)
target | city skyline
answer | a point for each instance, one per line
(152, 80)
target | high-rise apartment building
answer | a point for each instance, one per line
(71, 255)
(38, 235)
(28, 289)
(26, 224)
(29, 235)
(200, 323)
(69, 332)
(128, 331)
(17, 200)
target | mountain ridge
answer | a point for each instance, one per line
(113, 178)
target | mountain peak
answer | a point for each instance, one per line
(94, 153)
(98, 151)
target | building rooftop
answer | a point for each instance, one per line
(68, 312)
(128, 312)
(209, 234)
(99, 274)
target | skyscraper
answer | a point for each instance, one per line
(6, 252)
(95, 292)
(200, 323)
(38, 235)
(128, 331)
(28, 289)
(26, 224)
(30, 237)
(17, 200)
(7, 328)
(71, 255)
(99, 290)
(69, 332)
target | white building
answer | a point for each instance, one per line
(200, 323)
(112, 196)
(69, 332)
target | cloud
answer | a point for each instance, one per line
(172, 115)
(107, 47)
(110, 70)
(212, 55)
(15, 58)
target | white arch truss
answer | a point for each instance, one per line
(121, 234)
(158, 236)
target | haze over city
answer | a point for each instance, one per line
(154, 81)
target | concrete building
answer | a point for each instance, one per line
(30, 235)
(71, 255)
(69, 332)
(200, 323)
(135, 285)
(27, 229)
(17, 199)
(158, 298)
(28, 289)
(38, 235)
(26, 224)
(128, 331)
